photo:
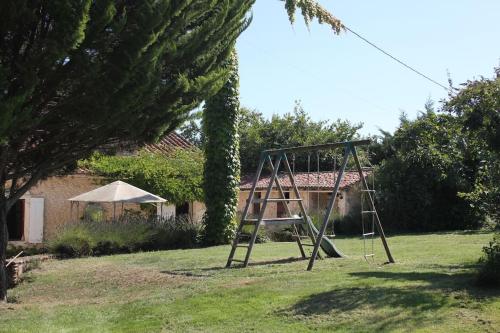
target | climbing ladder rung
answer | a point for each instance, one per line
(369, 234)
(368, 212)
(244, 236)
(369, 255)
(242, 245)
(238, 260)
(301, 236)
(368, 191)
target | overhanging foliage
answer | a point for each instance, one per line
(177, 177)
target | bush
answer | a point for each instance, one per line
(28, 250)
(178, 233)
(262, 234)
(126, 235)
(282, 235)
(343, 225)
(489, 273)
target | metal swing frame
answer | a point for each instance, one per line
(280, 156)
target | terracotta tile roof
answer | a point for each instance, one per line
(323, 181)
(168, 143)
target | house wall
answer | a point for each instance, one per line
(56, 191)
(197, 210)
(351, 200)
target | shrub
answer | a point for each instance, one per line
(28, 250)
(131, 233)
(178, 233)
(262, 234)
(281, 235)
(489, 272)
(343, 225)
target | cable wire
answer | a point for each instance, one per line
(395, 59)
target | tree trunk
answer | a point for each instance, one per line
(4, 238)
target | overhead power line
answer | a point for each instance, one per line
(396, 59)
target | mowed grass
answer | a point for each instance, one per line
(429, 289)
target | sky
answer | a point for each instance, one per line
(343, 77)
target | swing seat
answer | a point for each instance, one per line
(276, 221)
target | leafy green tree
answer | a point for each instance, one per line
(478, 105)
(291, 129)
(222, 165)
(75, 75)
(177, 177)
(427, 164)
(191, 129)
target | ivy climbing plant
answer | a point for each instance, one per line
(222, 162)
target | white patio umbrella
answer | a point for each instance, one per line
(117, 192)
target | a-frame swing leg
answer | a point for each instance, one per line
(239, 231)
(331, 204)
(287, 208)
(258, 222)
(372, 205)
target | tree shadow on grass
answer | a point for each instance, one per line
(349, 299)
(370, 309)
(185, 273)
(193, 272)
(256, 263)
(397, 306)
(461, 281)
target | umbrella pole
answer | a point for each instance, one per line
(114, 210)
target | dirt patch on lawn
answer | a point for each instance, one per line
(95, 283)
(136, 276)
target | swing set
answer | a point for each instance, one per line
(302, 224)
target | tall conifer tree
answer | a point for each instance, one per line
(75, 75)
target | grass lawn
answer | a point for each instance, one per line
(429, 289)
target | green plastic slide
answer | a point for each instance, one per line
(326, 244)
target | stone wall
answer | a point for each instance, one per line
(21, 265)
